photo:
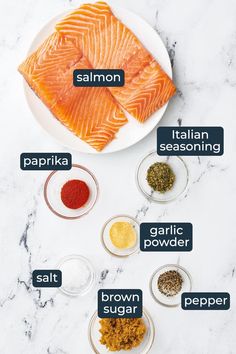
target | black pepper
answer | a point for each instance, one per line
(170, 283)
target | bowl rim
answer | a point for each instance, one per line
(167, 266)
(56, 212)
(149, 197)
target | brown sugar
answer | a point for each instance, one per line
(122, 333)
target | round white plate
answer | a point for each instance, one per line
(130, 133)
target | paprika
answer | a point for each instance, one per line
(74, 194)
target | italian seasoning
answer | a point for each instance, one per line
(170, 283)
(160, 177)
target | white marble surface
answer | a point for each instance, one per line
(201, 39)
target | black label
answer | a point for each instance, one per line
(120, 303)
(205, 301)
(45, 161)
(47, 278)
(98, 78)
(190, 141)
(166, 237)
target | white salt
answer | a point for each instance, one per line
(76, 275)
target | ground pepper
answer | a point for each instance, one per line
(160, 177)
(74, 194)
(170, 283)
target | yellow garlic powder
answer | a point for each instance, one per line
(123, 235)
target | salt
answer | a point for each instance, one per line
(76, 275)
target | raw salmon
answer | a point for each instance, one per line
(109, 44)
(92, 37)
(147, 92)
(90, 113)
(45, 69)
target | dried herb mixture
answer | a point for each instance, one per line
(160, 177)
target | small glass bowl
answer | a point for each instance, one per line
(143, 348)
(179, 168)
(77, 261)
(170, 301)
(52, 191)
(106, 241)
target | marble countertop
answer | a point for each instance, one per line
(201, 40)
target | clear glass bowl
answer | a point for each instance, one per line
(143, 348)
(106, 241)
(52, 191)
(179, 168)
(175, 300)
(76, 264)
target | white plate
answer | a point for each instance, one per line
(133, 131)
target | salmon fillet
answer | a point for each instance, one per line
(49, 72)
(148, 91)
(92, 37)
(45, 69)
(109, 44)
(91, 113)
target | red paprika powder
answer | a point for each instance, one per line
(74, 194)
